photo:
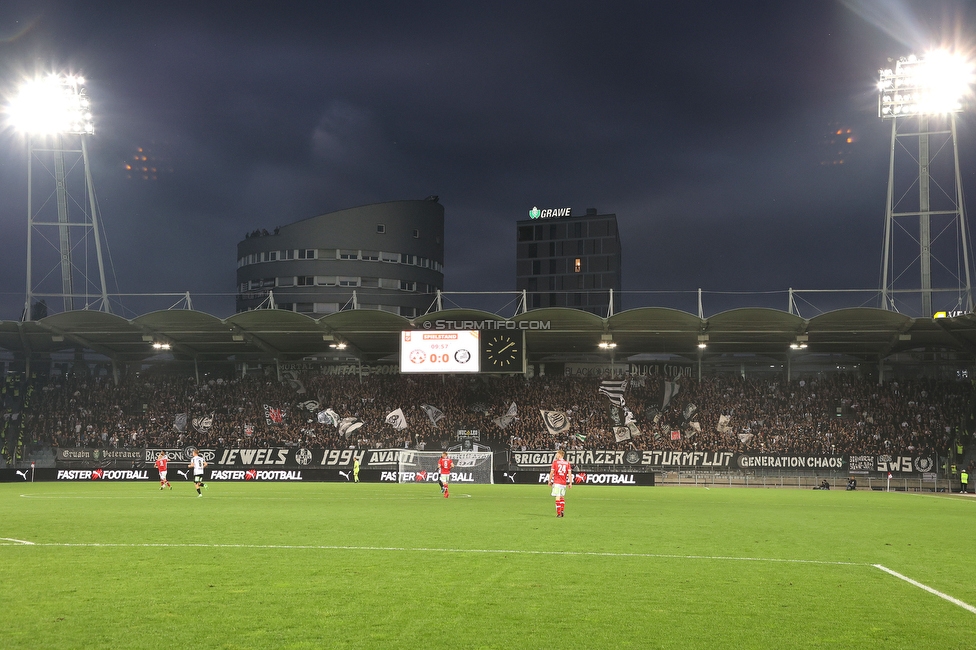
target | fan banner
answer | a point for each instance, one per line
(907, 465)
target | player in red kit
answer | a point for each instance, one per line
(560, 478)
(161, 463)
(445, 465)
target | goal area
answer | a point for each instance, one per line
(469, 466)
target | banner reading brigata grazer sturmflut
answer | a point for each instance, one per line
(648, 460)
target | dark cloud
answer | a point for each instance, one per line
(701, 124)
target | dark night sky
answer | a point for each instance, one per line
(702, 125)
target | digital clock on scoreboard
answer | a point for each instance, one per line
(440, 352)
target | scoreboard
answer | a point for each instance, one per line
(443, 351)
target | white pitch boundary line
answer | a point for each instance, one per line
(935, 592)
(404, 549)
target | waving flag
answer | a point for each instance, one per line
(614, 390)
(397, 419)
(273, 416)
(556, 421)
(434, 413)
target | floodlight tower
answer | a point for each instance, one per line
(54, 112)
(921, 98)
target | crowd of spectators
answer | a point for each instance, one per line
(836, 414)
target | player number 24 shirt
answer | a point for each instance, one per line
(561, 469)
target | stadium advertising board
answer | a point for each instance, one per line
(600, 477)
(447, 351)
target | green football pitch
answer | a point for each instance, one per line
(320, 565)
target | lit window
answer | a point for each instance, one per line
(578, 265)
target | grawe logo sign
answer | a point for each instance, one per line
(549, 213)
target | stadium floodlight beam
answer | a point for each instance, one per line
(933, 87)
(48, 109)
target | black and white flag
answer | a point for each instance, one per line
(203, 424)
(179, 422)
(328, 416)
(689, 411)
(349, 425)
(556, 421)
(620, 434)
(290, 377)
(614, 390)
(310, 405)
(509, 417)
(397, 419)
(671, 389)
(434, 413)
(723, 424)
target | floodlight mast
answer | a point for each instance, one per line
(919, 89)
(48, 110)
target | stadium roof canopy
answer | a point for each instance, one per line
(268, 335)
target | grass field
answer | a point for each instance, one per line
(320, 565)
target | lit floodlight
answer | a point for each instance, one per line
(935, 84)
(50, 105)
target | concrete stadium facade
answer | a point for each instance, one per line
(384, 256)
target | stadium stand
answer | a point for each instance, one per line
(817, 415)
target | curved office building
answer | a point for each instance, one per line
(387, 256)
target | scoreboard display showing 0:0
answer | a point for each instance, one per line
(445, 351)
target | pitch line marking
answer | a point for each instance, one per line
(935, 592)
(404, 549)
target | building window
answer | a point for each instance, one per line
(552, 266)
(380, 229)
(286, 281)
(272, 256)
(389, 257)
(306, 254)
(553, 230)
(348, 255)
(305, 281)
(348, 282)
(371, 256)
(325, 280)
(577, 265)
(580, 282)
(326, 307)
(305, 307)
(536, 267)
(371, 283)
(533, 250)
(525, 233)
(407, 285)
(533, 284)
(408, 312)
(577, 229)
(416, 234)
(406, 258)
